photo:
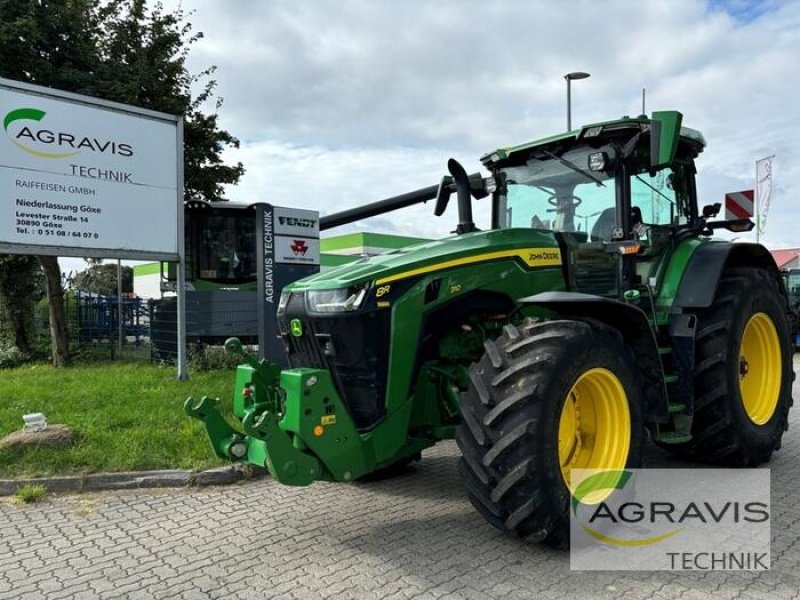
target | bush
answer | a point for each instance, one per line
(211, 358)
(11, 357)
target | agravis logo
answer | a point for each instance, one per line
(602, 485)
(669, 519)
(31, 139)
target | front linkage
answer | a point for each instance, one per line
(295, 424)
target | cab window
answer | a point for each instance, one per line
(655, 198)
(560, 194)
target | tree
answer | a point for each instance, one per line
(20, 277)
(102, 279)
(125, 51)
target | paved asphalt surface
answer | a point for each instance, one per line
(414, 536)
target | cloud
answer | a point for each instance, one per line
(338, 104)
(334, 180)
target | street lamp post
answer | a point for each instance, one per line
(569, 77)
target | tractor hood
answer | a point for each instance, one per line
(531, 246)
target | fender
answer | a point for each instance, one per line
(697, 290)
(634, 326)
(700, 279)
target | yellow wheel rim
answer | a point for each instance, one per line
(760, 368)
(594, 431)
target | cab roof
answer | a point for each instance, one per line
(640, 123)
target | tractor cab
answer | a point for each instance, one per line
(791, 279)
(615, 195)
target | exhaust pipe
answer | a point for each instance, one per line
(465, 222)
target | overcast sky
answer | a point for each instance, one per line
(341, 103)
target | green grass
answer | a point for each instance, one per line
(125, 417)
(29, 493)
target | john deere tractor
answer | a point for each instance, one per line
(596, 308)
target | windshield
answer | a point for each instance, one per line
(560, 193)
(226, 245)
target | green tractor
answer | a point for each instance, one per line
(596, 308)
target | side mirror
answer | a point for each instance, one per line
(443, 195)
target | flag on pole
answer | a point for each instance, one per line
(739, 205)
(763, 190)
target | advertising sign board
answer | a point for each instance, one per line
(85, 177)
(288, 250)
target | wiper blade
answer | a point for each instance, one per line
(574, 167)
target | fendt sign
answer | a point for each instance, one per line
(288, 249)
(85, 177)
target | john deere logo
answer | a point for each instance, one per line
(296, 327)
(46, 143)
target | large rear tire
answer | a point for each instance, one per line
(743, 372)
(546, 398)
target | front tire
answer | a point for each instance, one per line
(544, 399)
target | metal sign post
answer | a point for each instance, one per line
(180, 284)
(119, 309)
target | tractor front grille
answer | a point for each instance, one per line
(305, 351)
(354, 347)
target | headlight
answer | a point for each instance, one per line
(283, 301)
(331, 301)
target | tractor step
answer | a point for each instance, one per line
(665, 350)
(673, 437)
(670, 378)
(676, 407)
